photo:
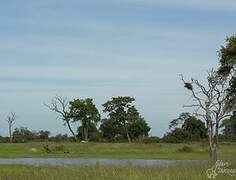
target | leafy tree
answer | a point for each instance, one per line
(185, 128)
(195, 127)
(227, 69)
(110, 129)
(113, 130)
(93, 133)
(85, 111)
(120, 110)
(177, 135)
(138, 128)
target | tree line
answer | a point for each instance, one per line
(185, 128)
(214, 102)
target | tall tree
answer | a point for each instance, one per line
(227, 55)
(85, 111)
(210, 101)
(122, 111)
(60, 105)
(11, 120)
(110, 129)
(138, 128)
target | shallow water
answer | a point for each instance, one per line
(88, 162)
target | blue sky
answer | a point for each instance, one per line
(106, 48)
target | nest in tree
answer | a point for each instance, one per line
(188, 86)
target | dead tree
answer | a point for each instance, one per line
(60, 105)
(209, 103)
(11, 121)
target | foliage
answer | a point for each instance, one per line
(93, 133)
(186, 128)
(227, 69)
(44, 134)
(121, 111)
(229, 127)
(151, 139)
(22, 134)
(177, 135)
(111, 130)
(61, 138)
(85, 112)
(138, 128)
(185, 149)
(4, 139)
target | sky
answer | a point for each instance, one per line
(106, 48)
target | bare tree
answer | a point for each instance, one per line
(60, 105)
(209, 103)
(11, 120)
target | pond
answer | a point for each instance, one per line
(89, 162)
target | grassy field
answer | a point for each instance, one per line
(175, 172)
(117, 151)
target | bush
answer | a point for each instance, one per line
(185, 149)
(152, 139)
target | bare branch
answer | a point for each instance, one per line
(59, 104)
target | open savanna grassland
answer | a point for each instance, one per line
(190, 171)
(198, 150)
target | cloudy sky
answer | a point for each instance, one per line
(106, 48)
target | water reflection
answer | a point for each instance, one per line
(88, 162)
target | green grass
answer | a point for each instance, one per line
(118, 151)
(193, 171)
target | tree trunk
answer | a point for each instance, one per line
(10, 133)
(68, 124)
(85, 133)
(212, 142)
(213, 153)
(127, 134)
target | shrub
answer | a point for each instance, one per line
(185, 149)
(152, 139)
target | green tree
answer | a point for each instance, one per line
(113, 130)
(110, 129)
(85, 111)
(186, 127)
(138, 128)
(93, 133)
(121, 110)
(227, 55)
(43, 135)
(22, 134)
